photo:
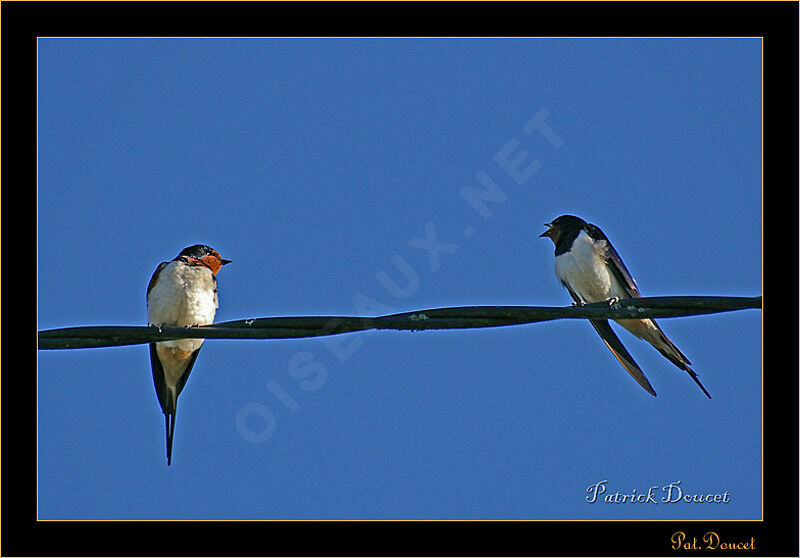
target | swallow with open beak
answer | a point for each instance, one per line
(183, 293)
(591, 270)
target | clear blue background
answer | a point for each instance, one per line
(313, 164)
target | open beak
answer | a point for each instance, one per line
(548, 232)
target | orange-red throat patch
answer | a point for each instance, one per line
(212, 262)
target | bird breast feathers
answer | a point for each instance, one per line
(182, 296)
(585, 270)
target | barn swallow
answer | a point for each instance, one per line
(181, 293)
(591, 270)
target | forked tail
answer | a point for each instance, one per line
(169, 422)
(676, 357)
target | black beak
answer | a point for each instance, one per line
(223, 262)
(548, 232)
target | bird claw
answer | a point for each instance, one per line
(613, 300)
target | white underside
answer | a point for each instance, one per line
(182, 296)
(585, 270)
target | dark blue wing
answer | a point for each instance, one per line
(615, 263)
(152, 282)
(603, 329)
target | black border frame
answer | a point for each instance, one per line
(23, 22)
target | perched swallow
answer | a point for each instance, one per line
(181, 293)
(591, 270)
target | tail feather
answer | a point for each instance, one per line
(693, 374)
(168, 389)
(621, 354)
(676, 357)
(169, 421)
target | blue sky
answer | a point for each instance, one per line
(318, 166)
